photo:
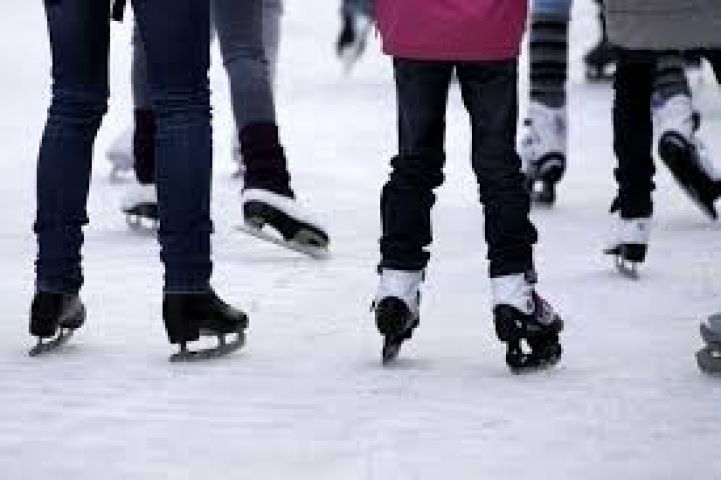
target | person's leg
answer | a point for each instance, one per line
(490, 95)
(407, 198)
(79, 39)
(176, 35)
(633, 132)
(272, 12)
(144, 127)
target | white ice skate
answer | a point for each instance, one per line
(543, 150)
(521, 317)
(140, 205)
(120, 154)
(292, 226)
(629, 244)
(685, 154)
(397, 305)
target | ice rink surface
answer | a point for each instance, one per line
(307, 398)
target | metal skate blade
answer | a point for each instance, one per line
(709, 360)
(318, 253)
(44, 347)
(626, 268)
(224, 348)
(390, 352)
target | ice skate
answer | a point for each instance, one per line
(352, 39)
(54, 317)
(189, 316)
(526, 323)
(685, 155)
(290, 225)
(236, 158)
(120, 154)
(396, 307)
(709, 357)
(140, 206)
(600, 62)
(543, 151)
(629, 244)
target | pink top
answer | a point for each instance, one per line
(464, 30)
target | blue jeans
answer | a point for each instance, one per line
(553, 7)
(176, 35)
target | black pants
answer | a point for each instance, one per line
(633, 133)
(489, 91)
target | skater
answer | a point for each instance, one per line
(246, 31)
(483, 54)
(544, 135)
(650, 45)
(356, 23)
(176, 33)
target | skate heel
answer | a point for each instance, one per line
(396, 323)
(180, 326)
(552, 168)
(633, 252)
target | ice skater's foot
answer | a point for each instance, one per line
(188, 316)
(397, 309)
(140, 206)
(352, 39)
(54, 317)
(629, 244)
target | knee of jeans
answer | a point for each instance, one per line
(413, 172)
(81, 106)
(180, 102)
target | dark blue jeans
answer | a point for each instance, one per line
(489, 91)
(176, 34)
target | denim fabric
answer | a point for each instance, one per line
(490, 96)
(176, 33)
(553, 7)
(357, 7)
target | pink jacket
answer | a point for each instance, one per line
(451, 29)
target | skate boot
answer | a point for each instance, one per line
(268, 201)
(709, 357)
(352, 39)
(629, 244)
(236, 157)
(521, 317)
(685, 155)
(397, 306)
(120, 154)
(600, 62)
(188, 316)
(54, 316)
(543, 150)
(140, 206)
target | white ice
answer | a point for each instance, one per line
(308, 398)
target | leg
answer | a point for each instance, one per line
(177, 46)
(272, 11)
(490, 95)
(633, 135)
(144, 128)
(407, 198)
(79, 38)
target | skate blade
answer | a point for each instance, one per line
(224, 348)
(709, 361)
(626, 268)
(390, 351)
(535, 366)
(142, 223)
(45, 347)
(316, 252)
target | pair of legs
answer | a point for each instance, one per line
(490, 96)
(248, 34)
(176, 35)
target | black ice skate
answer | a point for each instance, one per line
(709, 357)
(539, 330)
(140, 206)
(188, 316)
(54, 317)
(291, 227)
(600, 62)
(684, 159)
(396, 322)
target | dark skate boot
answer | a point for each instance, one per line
(268, 201)
(521, 317)
(188, 316)
(709, 357)
(600, 62)
(54, 317)
(396, 308)
(629, 244)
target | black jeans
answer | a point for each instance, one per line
(633, 133)
(489, 91)
(177, 34)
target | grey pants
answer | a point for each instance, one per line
(249, 35)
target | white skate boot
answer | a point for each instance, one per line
(140, 205)
(120, 154)
(629, 244)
